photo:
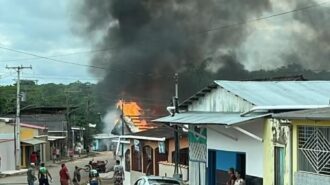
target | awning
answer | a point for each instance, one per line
(209, 118)
(53, 138)
(33, 141)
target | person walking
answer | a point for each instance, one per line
(239, 180)
(119, 174)
(64, 175)
(43, 175)
(31, 177)
(76, 176)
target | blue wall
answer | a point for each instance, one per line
(225, 160)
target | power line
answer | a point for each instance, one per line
(63, 55)
(265, 17)
(51, 59)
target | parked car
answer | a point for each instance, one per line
(156, 180)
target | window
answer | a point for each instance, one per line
(136, 160)
(314, 149)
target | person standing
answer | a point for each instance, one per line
(76, 176)
(33, 158)
(43, 175)
(64, 175)
(119, 174)
(239, 180)
(31, 177)
(57, 154)
(231, 177)
(54, 153)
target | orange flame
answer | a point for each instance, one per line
(133, 111)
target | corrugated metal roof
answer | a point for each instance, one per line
(161, 132)
(208, 118)
(33, 141)
(280, 92)
(312, 114)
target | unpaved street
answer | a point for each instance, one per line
(54, 170)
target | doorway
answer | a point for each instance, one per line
(279, 165)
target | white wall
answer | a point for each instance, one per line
(167, 170)
(220, 100)
(7, 156)
(250, 146)
(127, 180)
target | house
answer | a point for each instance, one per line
(231, 125)
(309, 159)
(104, 142)
(7, 157)
(152, 152)
(54, 118)
(32, 138)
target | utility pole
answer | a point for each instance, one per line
(122, 126)
(176, 132)
(17, 122)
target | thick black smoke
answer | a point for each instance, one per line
(150, 40)
(312, 40)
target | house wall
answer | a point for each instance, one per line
(7, 155)
(167, 169)
(183, 144)
(295, 124)
(245, 144)
(28, 133)
(269, 155)
(220, 100)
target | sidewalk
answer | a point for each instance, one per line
(12, 172)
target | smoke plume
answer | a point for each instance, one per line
(150, 40)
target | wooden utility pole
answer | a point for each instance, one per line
(17, 120)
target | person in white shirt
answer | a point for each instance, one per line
(239, 180)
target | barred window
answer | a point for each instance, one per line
(314, 149)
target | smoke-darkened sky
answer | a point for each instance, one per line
(202, 40)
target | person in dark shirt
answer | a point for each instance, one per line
(31, 174)
(76, 176)
(231, 177)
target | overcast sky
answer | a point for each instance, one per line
(42, 28)
(45, 28)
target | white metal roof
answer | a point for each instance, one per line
(33, 141)
(275, 93)
(208, 118)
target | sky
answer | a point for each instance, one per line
(43, 28)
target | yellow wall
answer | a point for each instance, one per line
(269, 156)
(295, 124)
(28, 133)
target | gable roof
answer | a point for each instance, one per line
(275, 93)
